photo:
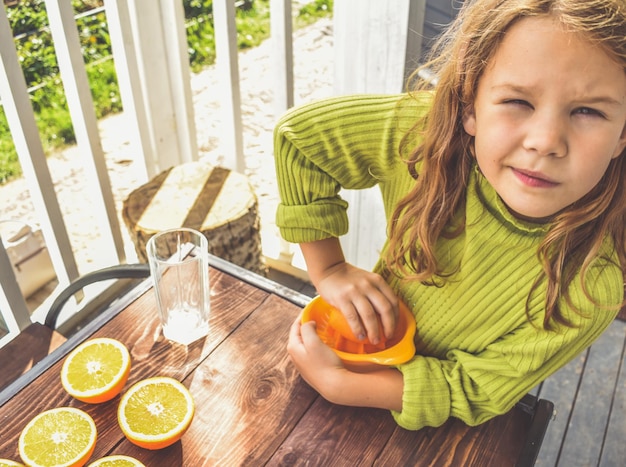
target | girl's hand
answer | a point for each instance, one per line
(324, 371)
(317, 363)
(361, 296)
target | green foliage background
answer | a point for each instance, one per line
(36, 54)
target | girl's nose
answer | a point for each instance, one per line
(546, 135)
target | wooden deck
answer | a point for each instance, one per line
(589, 395)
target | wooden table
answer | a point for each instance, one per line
(252, 408)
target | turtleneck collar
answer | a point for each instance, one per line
(491, 201)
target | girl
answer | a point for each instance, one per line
(505, 204)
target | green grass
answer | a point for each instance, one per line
(49, 103)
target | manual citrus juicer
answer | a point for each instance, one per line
(333, 329)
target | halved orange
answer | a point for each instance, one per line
(117, 461)
(96, 370)
(61, 437)
(155, 412)
(9, 463)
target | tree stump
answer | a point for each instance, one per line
(215, 201)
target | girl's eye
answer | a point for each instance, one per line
(519, 102)
(586, 111)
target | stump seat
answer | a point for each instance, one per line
(216, 201)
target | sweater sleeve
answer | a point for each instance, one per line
(477, 387)
(347, 142)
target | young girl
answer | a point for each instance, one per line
(505, 204)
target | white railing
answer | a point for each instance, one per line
(150, 53)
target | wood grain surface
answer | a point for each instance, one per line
(252, 408)
(25, 350)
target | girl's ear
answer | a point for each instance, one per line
(469, 120)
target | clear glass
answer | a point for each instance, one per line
(179, 267)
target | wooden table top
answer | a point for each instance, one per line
(252, 407)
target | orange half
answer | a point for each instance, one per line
(155, 412)
(96, 370)
(399, 349)
(64, 436)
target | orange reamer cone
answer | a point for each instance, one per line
(333, 330)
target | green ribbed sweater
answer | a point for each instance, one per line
(477, 353)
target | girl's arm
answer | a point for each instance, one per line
(360, 295)
(349, 142)
(322, 369)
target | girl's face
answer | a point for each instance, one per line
(549, 115)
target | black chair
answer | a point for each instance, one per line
(120, 271)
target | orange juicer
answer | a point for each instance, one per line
(334, 331)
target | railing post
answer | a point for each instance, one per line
(25, 133)
(281, 27)
(129, 82)
(150, 51)
(80, 103)
(177, 53)
(226, 53)
(371, 43)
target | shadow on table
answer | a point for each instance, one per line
(26, 350)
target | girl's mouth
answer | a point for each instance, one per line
(533, 179)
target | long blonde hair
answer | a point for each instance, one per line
(458, 60)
